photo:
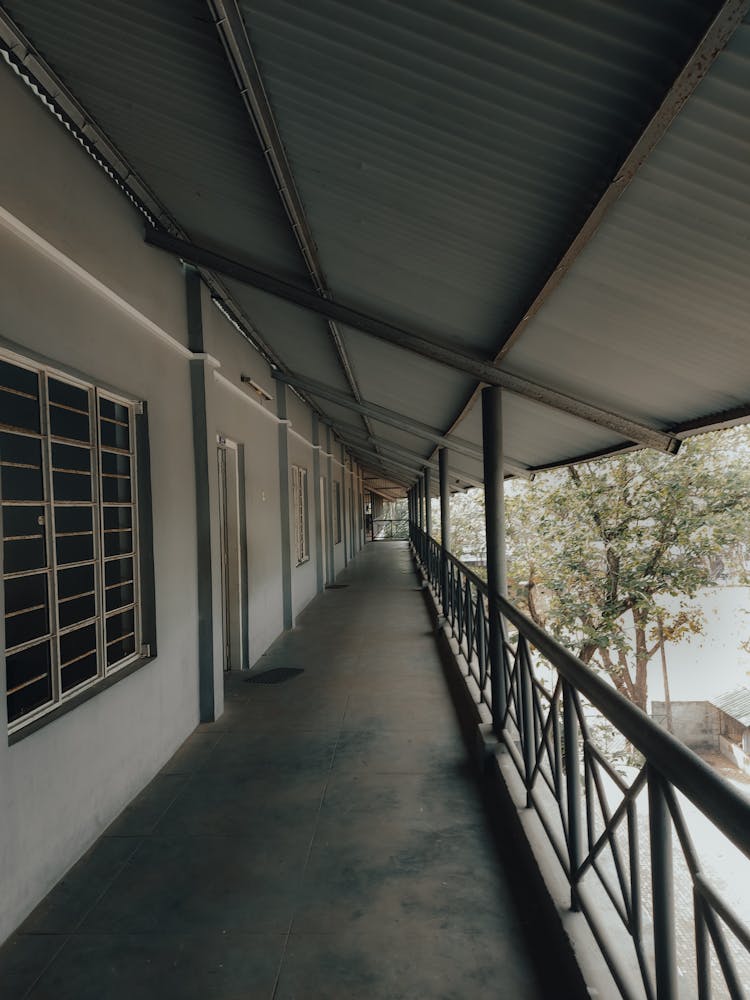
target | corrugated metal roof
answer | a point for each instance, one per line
(652, 317)
(446, 154)
(735, 704)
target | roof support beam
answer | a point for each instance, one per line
(721, 29)
(393, 419)
(233, 34)
(484, 371)
(352, 433)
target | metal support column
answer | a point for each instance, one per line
(662, 888)
(494, 519)
(329, 510)
(420, 504)
(206, 679)
(445, 520)
(343, 506)
(317, 513)
(286, 540)
(428, 501)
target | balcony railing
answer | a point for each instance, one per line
(386, 529)
(653, 842)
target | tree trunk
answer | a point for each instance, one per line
(665, 677)
(640, 692)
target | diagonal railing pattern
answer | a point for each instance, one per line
(624, 831)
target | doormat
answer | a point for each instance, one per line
(277, 675)
(336, 586)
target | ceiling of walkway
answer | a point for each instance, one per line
(557, 190)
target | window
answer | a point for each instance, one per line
(70, 537)
(337, 508)
(299, 506)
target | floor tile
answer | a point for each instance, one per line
(160, 966)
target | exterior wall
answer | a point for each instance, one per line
(340, 553)
(83, 292)
(232, 411)
(695, 723)
(734, 753)
(72, 296)
(304, 580)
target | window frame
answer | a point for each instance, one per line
(140, 530)
(337, 511)
(300, 514)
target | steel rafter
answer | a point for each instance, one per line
(234, 37)
(713, 42)
(484, 371)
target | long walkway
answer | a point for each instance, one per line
(324, 839)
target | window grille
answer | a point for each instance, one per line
(300, 504)
(70, 536)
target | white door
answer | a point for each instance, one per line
(229, 548)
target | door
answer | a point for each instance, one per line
(324, 529)
(229, 548)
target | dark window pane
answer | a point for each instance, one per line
(68, 395)
(71, 582)
(25, 626)
(20, 449)
(21, 469)
(118, 517)
(73, 549)
(70, 486)
(24, 554)
(114, 464)
(116, 597)
(65, 456)
(113, 411)
(20, 379)
(25, 592)
(73, 519)
(120, 649)
(114, 435)
(120, 625)
(118, 542)
(118, 571)
(24, 538)
(68, 424)
(74, 645)
(18, 411)
(26, 609)
(115, 490)
(78, 672)
(29, 681)
(21, 484)
(79, 609)
(22, 520)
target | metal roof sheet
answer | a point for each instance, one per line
(652, 317)
(735, 703)
(446, 154)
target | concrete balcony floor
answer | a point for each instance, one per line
(324, 839)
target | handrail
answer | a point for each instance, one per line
(544, 728)
(728, 809)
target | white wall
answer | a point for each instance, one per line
(236, 414)
(60, 786)
(82, 290)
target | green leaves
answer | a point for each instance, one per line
(593, 549)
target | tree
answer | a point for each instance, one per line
(593, 550)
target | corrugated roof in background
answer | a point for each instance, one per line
(734, 703)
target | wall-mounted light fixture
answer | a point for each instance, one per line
(246, 380)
